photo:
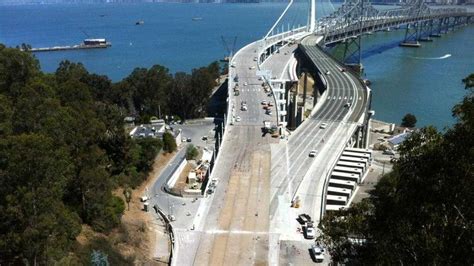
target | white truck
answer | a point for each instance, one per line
(267, 125)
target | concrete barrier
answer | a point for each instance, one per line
(170, 231)
(176, 173)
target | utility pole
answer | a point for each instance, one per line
(360, 32)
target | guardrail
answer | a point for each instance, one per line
(169, 227)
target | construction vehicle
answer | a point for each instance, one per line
(236, 90)
(296, 202)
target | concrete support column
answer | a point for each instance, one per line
(305, 88)
(283, 110)
(367, 133)
(357, 143)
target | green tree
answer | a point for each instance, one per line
(409, 120)
(16, 69)
(169, 143)
(149, 89)
(214, 70)
(6, 113)
(469, 81)
(421, 212)
(191, 152)
(35, 225)
(68, 71)
(149, 149)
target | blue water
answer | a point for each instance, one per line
(411, 79)
(169, 36)
(401, 81)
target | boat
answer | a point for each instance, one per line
(96, 43)
(140, 22)
(196, 18)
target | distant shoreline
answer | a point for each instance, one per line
(15, 3)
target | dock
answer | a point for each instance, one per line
(70, 47)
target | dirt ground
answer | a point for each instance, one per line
(140, 227)
(135, 217)
(181, 183)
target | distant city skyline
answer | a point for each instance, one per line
(20, 2)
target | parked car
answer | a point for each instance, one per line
(317, 253)
(323, 125)
(310, 233)
(312, 153)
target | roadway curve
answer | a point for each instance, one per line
(294, 173)
(244, 220)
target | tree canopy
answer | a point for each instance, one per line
(64, 149)
(409, 120)
(156, 92)
(421, 212)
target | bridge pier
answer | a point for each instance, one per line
(436, 31)
(352, 56)
(412, 35)
(426, 27)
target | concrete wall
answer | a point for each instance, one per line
(174, 177)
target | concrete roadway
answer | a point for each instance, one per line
(233, 225)
(294, 173)
(341, 89)
(181, 208)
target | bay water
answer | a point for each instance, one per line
(424, 81)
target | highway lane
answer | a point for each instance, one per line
(230, 218)
(311, 135)
(298, 168)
